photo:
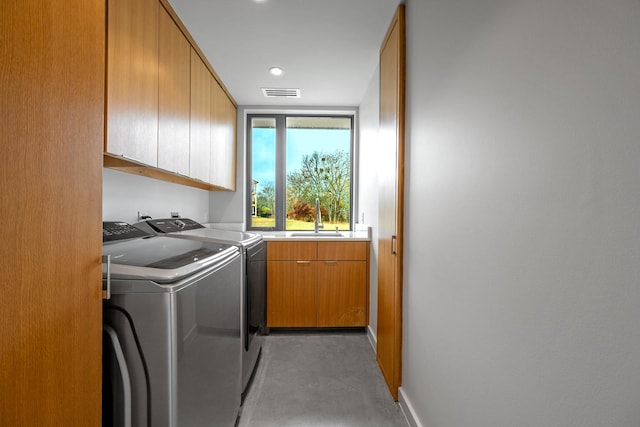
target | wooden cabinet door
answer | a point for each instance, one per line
(223, 139)
(200, 147)
(291, 294)
(230, 126)
(52, 77)
(391, 210)
(174, 90)
(132, 80)
(342, 293)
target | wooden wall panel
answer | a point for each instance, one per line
(52, 71)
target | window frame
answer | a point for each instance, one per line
(280, 165)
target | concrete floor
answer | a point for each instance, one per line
(319, 379)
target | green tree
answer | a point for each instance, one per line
(326, 176)
(267, 200)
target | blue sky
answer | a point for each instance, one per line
(300, 142)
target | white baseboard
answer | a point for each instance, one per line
(373, 340)
(403, 401)
(407, 409)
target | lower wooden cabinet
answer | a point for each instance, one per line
(317, 284)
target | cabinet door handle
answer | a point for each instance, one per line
(303, 262)
(106, 290)
(331, 262)
(394, 242)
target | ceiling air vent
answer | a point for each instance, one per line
(280, 93)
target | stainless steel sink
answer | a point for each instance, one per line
(312, 234)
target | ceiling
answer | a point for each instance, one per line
(327, 48)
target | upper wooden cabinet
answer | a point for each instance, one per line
(132, 80)
(174, 100)
(168, 115)
(223, 139)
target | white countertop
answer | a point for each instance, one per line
(322, 236)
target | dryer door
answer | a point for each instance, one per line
(124, 377)
(256, 291)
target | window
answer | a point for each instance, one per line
(291, 161)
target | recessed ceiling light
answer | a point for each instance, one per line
(276, 71)
(260, 1)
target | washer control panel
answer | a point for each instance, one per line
(117, 230)
(171, 225)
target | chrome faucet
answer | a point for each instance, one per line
(316, 225)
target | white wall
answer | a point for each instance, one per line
(368, 184)
(124, 195)
(522, 286)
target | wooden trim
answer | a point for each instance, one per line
(400, 196)
(129, 166)
(368, 283)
